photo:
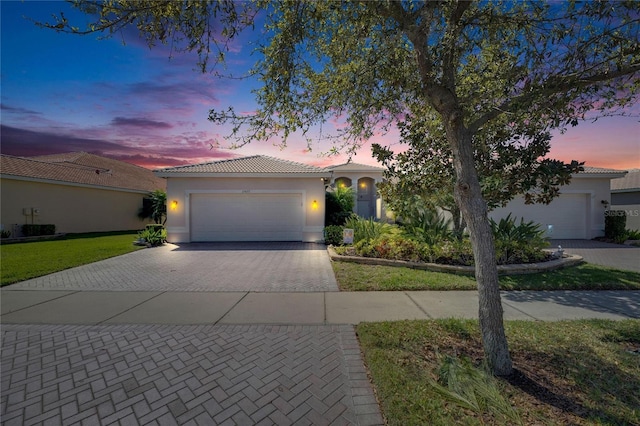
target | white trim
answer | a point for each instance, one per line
(74, 184)
(625, 190)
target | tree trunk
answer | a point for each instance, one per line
(468, 195)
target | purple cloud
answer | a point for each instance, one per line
(18, 110)
(140, 122)
(22, 142)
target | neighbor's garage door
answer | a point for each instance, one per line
(567, 213)
(246, 217)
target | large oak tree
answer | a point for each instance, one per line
(468, 65)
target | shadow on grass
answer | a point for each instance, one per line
(521, 381)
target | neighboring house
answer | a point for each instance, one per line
(76, 191)
(363, 179)
(625, 195)
(577, 213)
(256, 198)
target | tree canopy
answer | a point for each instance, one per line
(490, 76)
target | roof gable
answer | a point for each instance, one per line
(354, 167)
(81, 168)
(245, 166)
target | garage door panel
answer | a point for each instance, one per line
(566, 213)
(246, 217)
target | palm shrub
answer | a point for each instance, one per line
(154, 207)
(366, 229)
(153, 236)
(518, 242)
(429, 227)
(338, 206)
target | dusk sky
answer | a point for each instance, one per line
(63, 92)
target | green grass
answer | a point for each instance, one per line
(572, 372)
(21, 261)
(358, 277)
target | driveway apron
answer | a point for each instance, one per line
(255, 267)
(157, 374)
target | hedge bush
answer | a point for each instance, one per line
(398, 247)
(615, 222)
(32, 230)
(333, 235)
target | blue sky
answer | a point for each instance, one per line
(63, 92)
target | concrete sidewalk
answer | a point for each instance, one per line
(313, 308)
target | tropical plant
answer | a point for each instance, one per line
(366, 229)
(508, 230)
(152, 237)
(518, 242)
(339, 205)
(633, 234)
(154, 207)
(429, 227)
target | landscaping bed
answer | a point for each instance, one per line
(571, 372)
(549, 264)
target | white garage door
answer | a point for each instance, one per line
(566, 213)
(246, 217)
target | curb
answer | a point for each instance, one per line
(516, 269)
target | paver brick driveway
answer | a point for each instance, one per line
(168, 375)
(604, 254)
(257, 267)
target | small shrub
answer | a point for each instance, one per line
(333, 235)
(615, 222)
(153, 237)
(453, 253)
(32, 230)
(366, 229)
(429, 227)
(633, 234)
(506, 230)
(5, 233)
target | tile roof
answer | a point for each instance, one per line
(81, 168)
(355, 167)
(600, 170)
(253, 165)
(631, 181)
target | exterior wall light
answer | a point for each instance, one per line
(174, 204)
(314, 205)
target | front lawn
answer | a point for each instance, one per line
(22, 261)
(572, 372)
(358, 277)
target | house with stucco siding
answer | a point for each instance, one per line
(255, 198)
(77, 192)
(577, 213)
